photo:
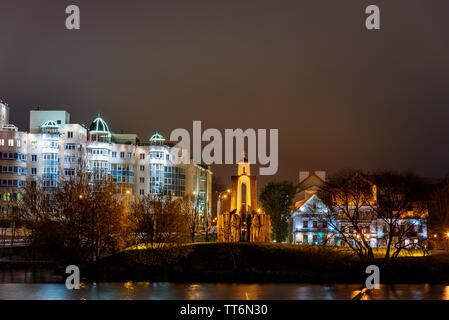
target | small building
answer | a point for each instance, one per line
(313, 222)
(245, 221)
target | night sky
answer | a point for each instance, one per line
(340, 95)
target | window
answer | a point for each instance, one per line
(69, 134)
(129, 155)
(2, 142)
(305, 224)
(114, 154)
(11, 142)
(315, 224)
(34, 144)
(167, 157)
(18, 143)
(142, 156)
(142, 168)
(69, 172)
(122, 155)
(34, 157)
(141, 192)
(69, 159)
(33, 171)
(142, 180)
(70, 146)
(58, 121)
(305, 238)
(156, 155)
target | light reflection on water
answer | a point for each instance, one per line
(186, 291)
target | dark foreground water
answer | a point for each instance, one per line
(170, 291)
(42, 284)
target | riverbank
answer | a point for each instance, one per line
(247, 263)
(235, 263)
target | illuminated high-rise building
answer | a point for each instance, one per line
(55, 149)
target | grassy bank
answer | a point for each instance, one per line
(244, 262)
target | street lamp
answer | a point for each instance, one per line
(219, 198)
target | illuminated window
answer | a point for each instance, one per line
(11, 142)
(69, 146)
(2, 142)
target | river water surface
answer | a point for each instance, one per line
(214, 291)
(42, 284)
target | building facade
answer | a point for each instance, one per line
(55, 149)
(311, 223)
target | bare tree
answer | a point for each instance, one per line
(401, 209)
(387, 201)
(9, 219)
(349, 198)
(158, 223)
(190, 207)
(439, 217)
(79, 220)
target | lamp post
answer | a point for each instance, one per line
(219, 198)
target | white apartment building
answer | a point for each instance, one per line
(55, 149)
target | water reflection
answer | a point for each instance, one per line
(171, 291)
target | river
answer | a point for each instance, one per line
(215, 291)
